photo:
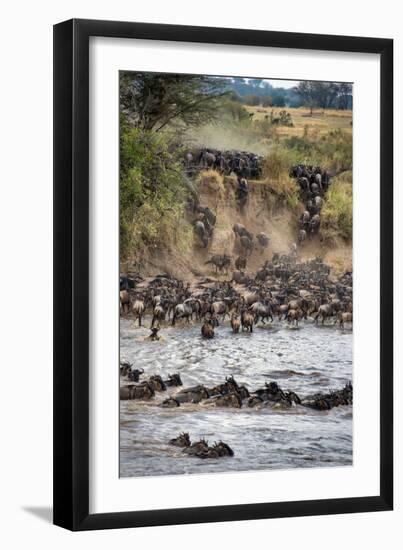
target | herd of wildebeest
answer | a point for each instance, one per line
(242, 163)
(228, 394)
(284, 289)
(312, 181)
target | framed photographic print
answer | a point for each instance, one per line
(223, 205)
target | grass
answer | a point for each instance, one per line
(213, 181)
(337, 212)
(319, 124)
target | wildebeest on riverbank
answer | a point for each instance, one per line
(241, 163)
(282, 289)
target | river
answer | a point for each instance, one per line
(306, 360)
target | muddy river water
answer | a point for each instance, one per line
(306, 360)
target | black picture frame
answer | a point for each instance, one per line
(71, 274)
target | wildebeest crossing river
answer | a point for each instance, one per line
(306, 360)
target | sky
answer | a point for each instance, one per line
(282, 83)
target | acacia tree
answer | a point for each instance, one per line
(326, 93)
(152, 101)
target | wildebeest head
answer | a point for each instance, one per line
(174, 380)
(134, 374)
(125, 367)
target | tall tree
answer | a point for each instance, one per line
(307, 91)
(152, 101)
(323, 94)
(345, 95)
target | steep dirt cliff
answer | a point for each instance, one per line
(269, 209)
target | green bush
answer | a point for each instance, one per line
(337, 212)
(152, 191)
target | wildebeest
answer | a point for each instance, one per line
(241, 231)
(301, 236)
(208, 214)
(294, 315)
(247, 320)
(318, 202)
(247, 244)
(235, 323)
(207, 329)
(344, 317)
(206, 159)
(154, 336)
(305, 217)
(219, 308)
(314, 223)
(173, 380)
(183, 440)
(134, 374)
(159, 314)
(170, 403)
(189, 163)
(326, 401)
(220, 262)
(240, 262)
(250, 298)
(138, 310)
(126, 283)
(197, 448)
(182, 311)
(125, 368)
(261, 310)
(239, 277)
(254, 401)
(192, 395)
(262, 274)
(201, 232)
(282, 310)
(263, 241)
(143, 391)
(157, 383)
(223, 449)
(124, 298)
(324, 311)
(227, 400)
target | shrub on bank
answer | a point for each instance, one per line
(337, 212)
(152, 191)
